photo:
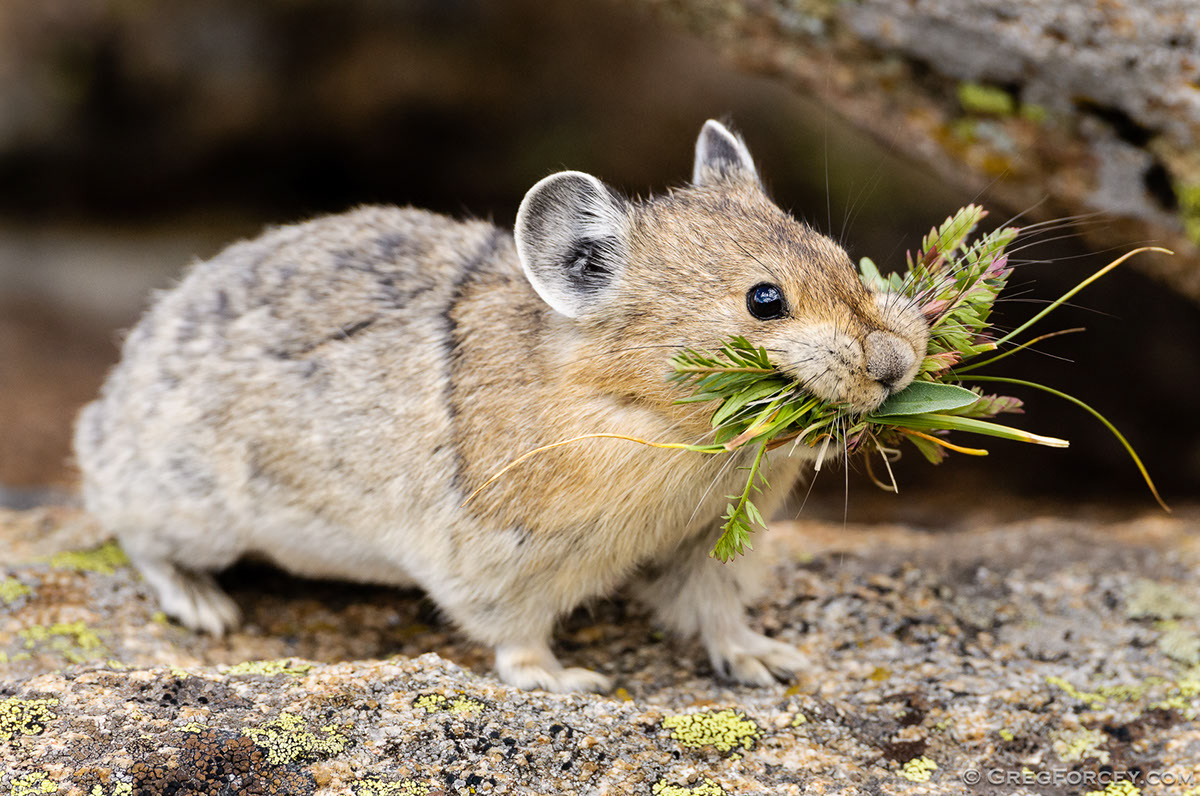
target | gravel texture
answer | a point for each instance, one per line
(1045, 656)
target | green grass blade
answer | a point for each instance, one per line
(938, 422)
(1120, 437)
(975, 366)
(1056, 304)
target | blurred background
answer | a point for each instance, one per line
(137, 137)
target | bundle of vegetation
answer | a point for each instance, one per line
(955, 282)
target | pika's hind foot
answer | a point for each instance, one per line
(528, 666)
(192, 598)
(753, 659)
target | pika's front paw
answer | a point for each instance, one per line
(534, 666)
(193, 598)
(753, 659)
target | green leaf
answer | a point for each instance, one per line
(1112, 429)
(752, 394)
(871, 278)
(925, 396)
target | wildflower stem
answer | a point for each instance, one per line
(1055, 305)
(1120, 437)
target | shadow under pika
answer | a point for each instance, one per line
(332, 621)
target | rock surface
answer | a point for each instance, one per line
(1091, 106)
(1041, 656)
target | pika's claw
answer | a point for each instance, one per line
(193, 598)
(753, 659)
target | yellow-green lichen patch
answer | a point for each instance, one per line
(193, 726)
(1121, 787)
(459, 704)
(1034, 113)
(1006, 735)
(25, 716)
(1189, 209)
(1153, 693)
(708, 787)
(12, 590)
(725, 730)
(1183, 695)
(74, 641)
(919, 769)
(1078, 745)
(1097, 699)
(105, 559)
(1148, 599)
(287, 739)
(376, 787)
(799, 719)
(990, 100)
(32, 784)
(120, 789)
(1178, 644)
(268, 668)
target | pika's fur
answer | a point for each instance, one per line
(327, 395)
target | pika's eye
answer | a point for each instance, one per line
(765, 302)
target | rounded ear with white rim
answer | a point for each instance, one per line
(721, 156)
(572, 239)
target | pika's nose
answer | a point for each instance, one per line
(888, 359)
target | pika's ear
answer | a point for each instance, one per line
(721, 156)
(572, 238)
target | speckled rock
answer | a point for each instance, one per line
(1045, 656)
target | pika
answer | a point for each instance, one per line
(327, 396)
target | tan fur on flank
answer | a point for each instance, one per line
(328, 395)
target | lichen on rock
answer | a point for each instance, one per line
(377, 787)
(35, 784)
(25, 716)
(73, 641)
(217, 762)
(724, 730)
(12, 590)
(919, 769)
(1079, 744)
(361, 711)
(709, 787)
(456, 703)
(288, 738)
(105, 559)
(268, 668)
